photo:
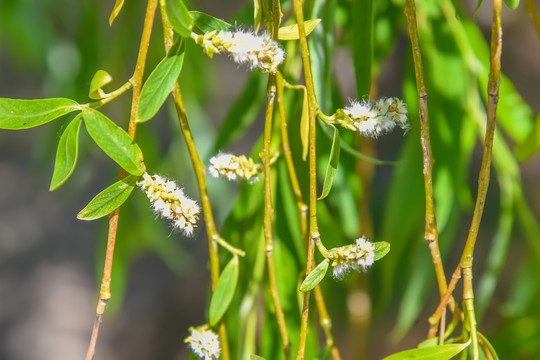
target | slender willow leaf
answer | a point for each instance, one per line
(304, 126)
(362, 43)
(100, 79)
(332, 165)
(207, 23)
(114, 141)
(109, 199)
(116, 10)
(315, 276)
(160, 82)
(179, 17)
(440, 352)
(325, 354)
(23, 114)
(223, 295)
(530, 145)
(380, 248)
(66, 155)
(290, 32)
(512, 4)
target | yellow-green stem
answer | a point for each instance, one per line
(431, 233)
(136, 83)
(268, 207)
(199, 169)
(268, 212)
(313, 227)
(483, 178)
(324, 317)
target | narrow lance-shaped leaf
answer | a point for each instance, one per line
(114, 141)
(66, 154)
(207, 23)
(179, 17)
(224, 292)
(23, 114)
(362, 43)
(109, 199)
(440, 352)
(380, 249)
(161, 82)
(315, 276)
(116, 10)
(255, 357)
(304, 126)
(332, 165)
(512, 4)
(290, 32)
(100, 79)
(531, 144)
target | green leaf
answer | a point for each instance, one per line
(380, 248)
(207, 23)
(116, 10)
(290, 32)
(257, 15)
(66, 155)
(255, 357)
(100, 79)
(315, 276)
(23, 114)
(512, 4)
(478, 6)
(304, 126)
(440, 352)
(109, 199)
(362, 43)
(114, 141)
(179, 17)
(530, 145)
(332, 165)
(160, 82)
(224, 291)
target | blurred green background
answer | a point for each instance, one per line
(50, 263)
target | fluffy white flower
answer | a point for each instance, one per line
(233, 167)
(170, 202)
(374, 118)
(359, 257)
(204, 343)
(258, 51)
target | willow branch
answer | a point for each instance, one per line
(483, 178)
(325, 320)
(136, 83)
(199, 168)
(313, 227)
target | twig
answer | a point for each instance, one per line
(483, 178)
(136, 83)
(313, 227)
(325, 320)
